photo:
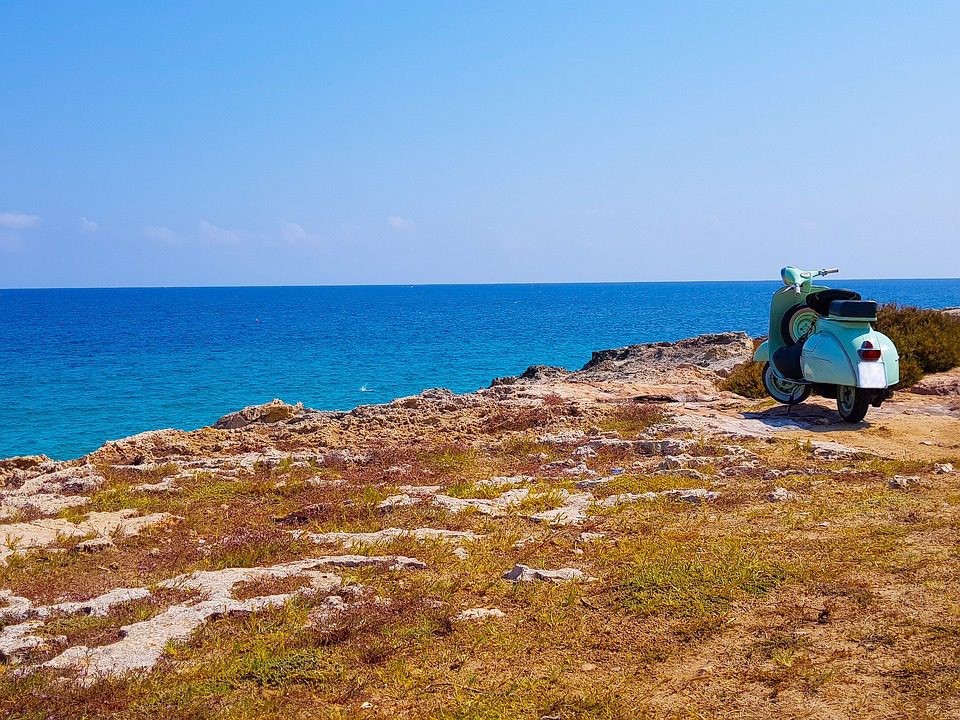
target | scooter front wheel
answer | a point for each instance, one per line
(783, 391)
(852, 403)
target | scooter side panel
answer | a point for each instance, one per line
(825, 361)
(762, 353)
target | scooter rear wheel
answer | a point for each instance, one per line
(783, 391)
(852, 403)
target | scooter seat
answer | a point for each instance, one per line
(820, 301)
(787, 361)
(854, 309)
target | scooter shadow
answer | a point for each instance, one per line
(807, 416)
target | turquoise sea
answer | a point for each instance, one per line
(80, 367)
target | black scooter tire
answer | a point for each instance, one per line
(856, 410)
(784, 396)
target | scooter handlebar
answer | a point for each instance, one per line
(829, 271)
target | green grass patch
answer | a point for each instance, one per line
(681, 580)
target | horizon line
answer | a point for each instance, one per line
(432, 284)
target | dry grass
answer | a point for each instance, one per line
(631, 419)
(740, 607)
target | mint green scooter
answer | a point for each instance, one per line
(822, 341)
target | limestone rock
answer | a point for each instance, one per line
(272, 412)
(94, 545)
(690, 495)
(780, 494)
(572, 512)
(944, 384)
(349, 540)
(665, 362)
(824, 450)
(17, 537)
(903, 482)
(683, 462)
(523, 573)
(17, 641)
(396, 501)
(496, 507)
(474, 614)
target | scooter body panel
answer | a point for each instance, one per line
(825, 360)
(831, 355)
(762, 353)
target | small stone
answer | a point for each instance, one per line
(580, 469)
(588, 667)
(396, 501)
(902, 482)
(522, 573)
(943, 468)
(682, 462)
(781, 495)
(572, 512)
(94, 545)
(474, 614)
(692, 495)
(591, 536)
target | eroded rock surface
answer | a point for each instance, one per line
(20, 537)
(272, 412)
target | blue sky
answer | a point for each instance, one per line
(215, 143)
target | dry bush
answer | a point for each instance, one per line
(505, 419)
(928, 340)
(633, 418)
(745, 379)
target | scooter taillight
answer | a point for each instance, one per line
(868, 351)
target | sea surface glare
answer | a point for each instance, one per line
(80, 367)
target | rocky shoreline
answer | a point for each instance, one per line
(543, 479)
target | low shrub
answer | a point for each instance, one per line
(928, 340)
(633, 418)
(745, 379)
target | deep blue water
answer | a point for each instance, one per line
(80, 367)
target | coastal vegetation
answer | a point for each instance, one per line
(928, 340)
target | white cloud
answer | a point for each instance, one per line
(163, 234)
(88, 226)
(18, 221)
(217, 235)
(294, 233)
(401, 224)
